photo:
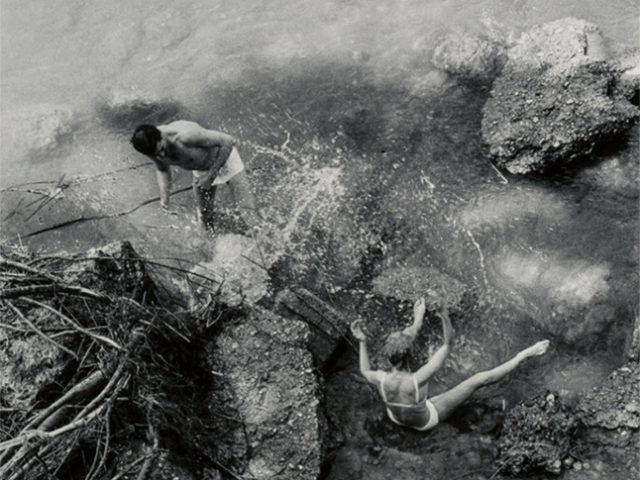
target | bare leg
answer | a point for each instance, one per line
(205, 199)
(243, 197)
(448, 401)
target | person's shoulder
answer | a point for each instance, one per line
(179, 126)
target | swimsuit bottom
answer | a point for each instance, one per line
(230, 169)
(433, 418)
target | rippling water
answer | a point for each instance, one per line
(344, 86)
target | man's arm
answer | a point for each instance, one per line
(437, 360)
(163, 176)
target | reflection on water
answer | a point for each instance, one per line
(353, 143)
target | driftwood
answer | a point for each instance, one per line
(122, 370)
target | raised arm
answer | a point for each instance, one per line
(419, 309)
(437, 360)
(372, 376)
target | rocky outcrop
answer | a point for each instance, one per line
(628, 84)
(328, 327)
(411, 282)
(537, 436)
(555, 99)
(237, 265)
(272, 397)
(469, 57)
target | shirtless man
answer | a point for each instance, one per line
(405, 393)
(210, 155)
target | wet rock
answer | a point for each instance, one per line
(328, 327)
(537, 436)
(615, 405)
(116, 268)
(469, 57)
(236, 266)
(493, 210)
(628, 84)
(410, 282)
(41, 129)
(125, 109)
(571, 296)
(555, 99)
(266, 365)
(28, 366)
(619, 175)
(610, 414)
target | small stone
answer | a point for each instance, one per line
(577, 466)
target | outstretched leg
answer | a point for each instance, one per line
(448, 401)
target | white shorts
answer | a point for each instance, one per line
(230, 169)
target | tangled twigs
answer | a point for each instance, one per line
(73, 324)
(39, 332)
(58, 285)
(51, 289)
(147, 466)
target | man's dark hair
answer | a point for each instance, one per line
(145, 139)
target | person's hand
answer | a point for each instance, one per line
(166, 210)
(356, 330)
(204, 181)
(419, 308)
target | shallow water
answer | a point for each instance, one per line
(346, 141)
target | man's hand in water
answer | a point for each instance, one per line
(356, 331)
(205, 181)
(168, 211)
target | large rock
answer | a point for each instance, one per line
(237, 266)
(409, 282)
(537, 436)
(328, 327)
(610, 414)
(555, 99)
(469, 57)
(273, 399)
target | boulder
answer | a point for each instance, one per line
(328, 327)
(28, 366)
(273, 401)
(237, 266)
(537, 436)
(610, 414)
(469, 57)
(555, 99)
(628, 84)
(412, 281)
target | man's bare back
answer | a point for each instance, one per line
(181, 151)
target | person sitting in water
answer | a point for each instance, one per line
(405, 394)
(211, 156)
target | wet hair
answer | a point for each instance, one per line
(397, 348)
(145, 139)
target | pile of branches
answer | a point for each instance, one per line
(131, 381)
